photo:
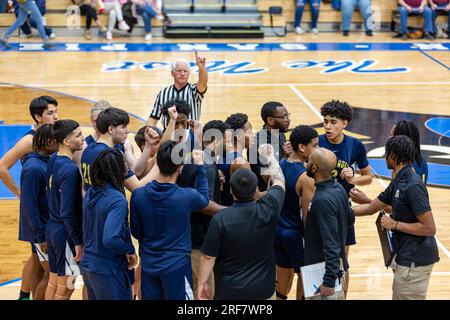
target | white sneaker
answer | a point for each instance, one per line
(109, 35)
(315, 31)
(123, 26)
(52, 35)
(299, 30)
(148, 37)
(159, 17)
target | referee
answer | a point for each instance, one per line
(182, 89)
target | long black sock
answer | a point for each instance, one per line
(24, 295)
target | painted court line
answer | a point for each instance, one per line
(380, 181)
(306, 101)
(161, 85)
(434, 59)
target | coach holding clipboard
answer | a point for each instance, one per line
(412, 223)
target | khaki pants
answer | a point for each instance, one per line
(411, 283)
(195, 260)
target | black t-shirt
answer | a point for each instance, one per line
(241, 238)
(264, 136)
(200, 221)
(408, 196)
(328, 220)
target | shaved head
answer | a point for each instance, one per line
(324, 160)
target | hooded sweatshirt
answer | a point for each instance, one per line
(33, 198)
(106, 233)
(64, 197)
(160, 220)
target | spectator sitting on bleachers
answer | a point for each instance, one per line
(149, 9)
(114, 9)
(31, 23)
(347, 9)
(299, 7)
(87, 8)
(415, 7)
(438, 6)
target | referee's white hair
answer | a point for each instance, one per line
(177, 61)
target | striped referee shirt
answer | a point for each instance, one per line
(188, 93)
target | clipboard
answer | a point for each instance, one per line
(387, 241)
(312, 278)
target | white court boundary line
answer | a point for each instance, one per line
(380, 181)
(79, 282)
(311, 84)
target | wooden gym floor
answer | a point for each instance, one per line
(417, 90)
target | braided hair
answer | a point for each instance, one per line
(43, 137)
(109, 167)
(409, 129)
(400, 149)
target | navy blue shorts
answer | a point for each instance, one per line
(58, 255)
(176, 285)
(108, 287)
(288, 247)
(351, 237)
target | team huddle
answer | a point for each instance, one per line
(218, 211)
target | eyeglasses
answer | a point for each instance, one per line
(286, 116)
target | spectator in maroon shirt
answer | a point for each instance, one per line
(415, 7)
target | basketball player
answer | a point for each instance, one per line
(138, 166)
(108, 250)
(289, 251)
(349, 151)
(236, 142)
(34, 207)
(64, 238)
(160, 220)
(43, 110)
(112, 124)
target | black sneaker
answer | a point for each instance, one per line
(345, 33)
(428, 36)
(369, 33)
(404, 36)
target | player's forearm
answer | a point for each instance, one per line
(8, 181)
(141, 163)
(363, 180)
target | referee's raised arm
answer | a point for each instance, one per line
(202, 73)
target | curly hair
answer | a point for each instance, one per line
(337, 109)
(237, 121)
(217, 125)
(401, 149)
(181, 105)
(302, 135)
